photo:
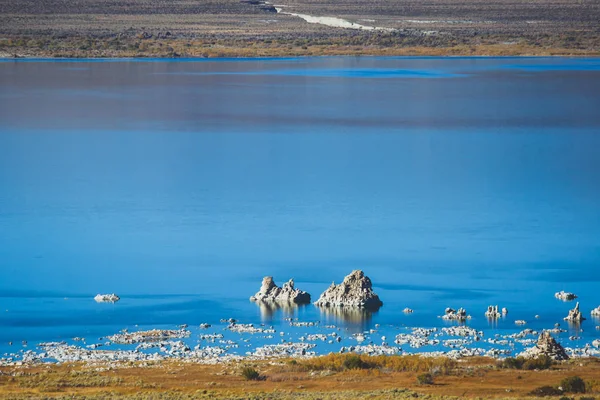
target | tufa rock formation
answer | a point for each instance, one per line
(453, 315)
(546, 346)
(270, 292)
(596, 312)
(492, 312)
(107, 298)
(565, 296)
(575, 315)
(355, 291)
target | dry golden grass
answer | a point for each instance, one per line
(326, 377)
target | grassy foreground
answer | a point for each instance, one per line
(329, 377)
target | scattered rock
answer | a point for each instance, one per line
(270, 292)
(548, 346)
(520, 322)
(596, 312)
(153, 335)
(355, 291)
(408, 310)
(107, 298)
(565, 296)
(575, 315)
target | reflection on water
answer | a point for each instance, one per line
(268, 310)
(353, 319)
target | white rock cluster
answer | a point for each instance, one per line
(249, 328)
(107, 298)
(596, 312)
(372, 350)
(355, 291)
(154, 335)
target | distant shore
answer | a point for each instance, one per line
(361, 45)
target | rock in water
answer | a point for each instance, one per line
(453, 315)
(355, 291)
(493, 313)
(546, 346)
(107, 298)
(596, 312)
(565, 296)
(270, 292)
(575, 315)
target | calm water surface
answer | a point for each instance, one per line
(180, 184)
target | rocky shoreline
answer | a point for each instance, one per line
(229, 343)
(352, 300)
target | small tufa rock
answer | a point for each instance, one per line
(596, 312)
(547, 346)
(355, 291)
(270, 292)
(565, 296)
(575, 315)
(493, 313)
(107, 298)
(408, 310)
(520, 322)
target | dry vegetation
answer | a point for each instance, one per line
(328, 377)
(234, 28)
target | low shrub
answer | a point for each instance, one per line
(573, 384)
(542, 362)
(250, 374)
(545, 391)
(354, 361)
(587, 398)
(425, 379)
(412, 363)
(512, 363)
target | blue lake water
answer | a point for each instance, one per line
(452, 182)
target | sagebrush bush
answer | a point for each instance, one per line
(573, 384)
(250, 374)
(541, 362)
(413, 363)
(354, 361)
(545, 391)
(425, 379)
(512, 363)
